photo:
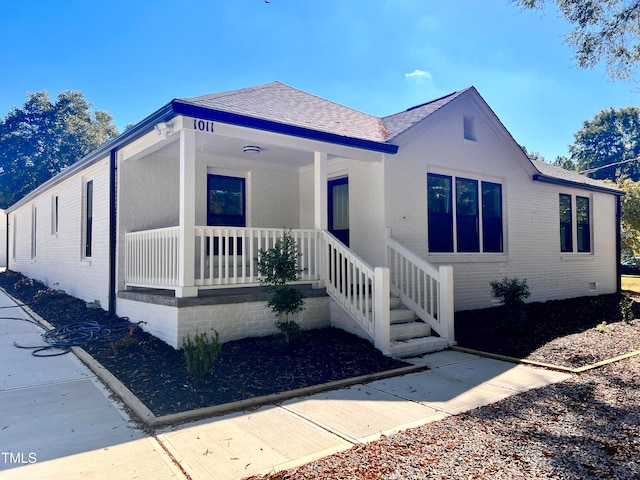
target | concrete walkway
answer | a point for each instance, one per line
(58, 422)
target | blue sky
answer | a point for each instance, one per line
(378, 56)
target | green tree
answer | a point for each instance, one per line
(44, 137)
(610, 140)
(630, 217)
(604, 30)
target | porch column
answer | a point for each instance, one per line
(186, 241)
(320, 190)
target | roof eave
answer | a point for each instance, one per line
(585, 186)
(188, 109)
(163, 114)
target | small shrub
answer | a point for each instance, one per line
(201, 353)
(290, 329)
(626, 309)
(511, 293)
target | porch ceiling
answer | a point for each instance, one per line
(233, 148)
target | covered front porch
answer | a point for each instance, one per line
(196, 207)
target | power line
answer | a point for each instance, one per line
(608, 165)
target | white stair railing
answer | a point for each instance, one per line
(361, 290)
(426, 289)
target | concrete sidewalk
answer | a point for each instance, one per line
(57, 421)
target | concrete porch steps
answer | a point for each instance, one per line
(410, 336)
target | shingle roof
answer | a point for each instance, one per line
(549, 171)
(278, 102)
(397, 123)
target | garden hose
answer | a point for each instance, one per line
(75, 334)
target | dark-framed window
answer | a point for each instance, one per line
(583, 224)
(467, 215)
(440, 213)
(566, 222)
(492, 217)
(88, 218)
(580, 221)
(226, 201)
(473, 214)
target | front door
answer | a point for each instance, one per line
(226, 197)
(338, 198)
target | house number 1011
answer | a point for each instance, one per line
(202, 125)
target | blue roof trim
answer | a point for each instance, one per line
(584, 186)
(182, 108)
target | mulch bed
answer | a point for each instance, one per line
(568, 333)
(558, 332)
(157, 374)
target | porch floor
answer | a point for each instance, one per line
(213, 296)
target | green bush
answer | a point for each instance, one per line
(626, 309)
(201, 353)
(511, 293)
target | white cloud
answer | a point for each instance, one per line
(418, 75)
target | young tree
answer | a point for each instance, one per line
(43, 137)
(611, 140)
(603, 30)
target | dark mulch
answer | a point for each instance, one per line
(156, 373)
(566, 332)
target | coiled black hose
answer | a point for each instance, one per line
(60, 340)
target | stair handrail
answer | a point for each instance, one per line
(423, 287)
(360, 289)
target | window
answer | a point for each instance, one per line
(88, 219)
(467, 234)
(54, 215)
(492, 217)
(478, 219)
(440, 222)
(580, 223)
(226, 201)
(34, 231)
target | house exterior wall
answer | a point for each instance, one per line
(232, 321)
(58, 260)
(530, 211)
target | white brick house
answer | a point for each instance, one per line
(164, 223)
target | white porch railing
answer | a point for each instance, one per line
(152, 258)
(422, 287)
(363, 291)
(223, 256)
(229, 256)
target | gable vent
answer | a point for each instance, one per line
(469, 129)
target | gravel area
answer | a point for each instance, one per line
(587, 427)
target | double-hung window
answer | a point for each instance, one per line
(575, 228)
(464, 215)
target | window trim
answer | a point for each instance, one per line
(243, 182)
(576, 246)
(481, 219)
(34, 231)
(87, 218)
